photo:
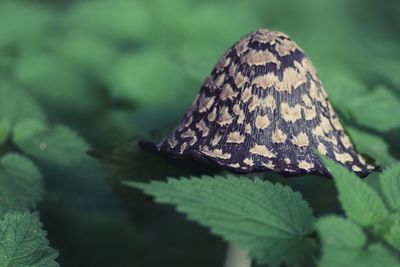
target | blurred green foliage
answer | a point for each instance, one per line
(87, 74)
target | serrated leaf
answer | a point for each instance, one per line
(270, 221)
(390, 184)
(24, 243)
(378, 109)
(21, 184)
(16, 105)
(57, 144)
(372, 145)
(343, 245)
(360, 202)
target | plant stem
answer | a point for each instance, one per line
(235, 257)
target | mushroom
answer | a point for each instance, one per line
(263, 108)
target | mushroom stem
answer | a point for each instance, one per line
(236, 257)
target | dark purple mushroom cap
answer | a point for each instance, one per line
(264, 108)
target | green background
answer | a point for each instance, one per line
(119, 71)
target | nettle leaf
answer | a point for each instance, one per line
(372, 145)
(24, 243)
(360, 202)
(16, 105)
(378, 109)
(390, 184)
(21, 184)
(344, 245)
(270, 221)
(58, 144)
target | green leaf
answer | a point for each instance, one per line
(341, 240)
(378, 109)
(392, 233)
(377, 256)
(372, 145)
(16, 105)
(270, 221)
(57, 144)
(390, 184)
(343, 245)
(21, 184)
(24, 243)
(360, 202)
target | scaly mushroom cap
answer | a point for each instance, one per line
(264, 108)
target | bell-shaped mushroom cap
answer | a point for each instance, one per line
(264, 108)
